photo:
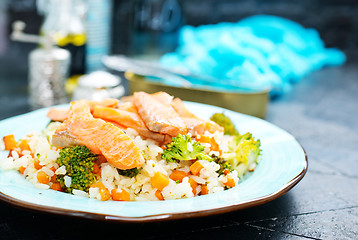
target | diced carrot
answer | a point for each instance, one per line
(178, 175)
(42, 177)
(10, 142)
(57, 186)
(37, 164)
(204, 190)
(95, 168)
(226, 171)
(105, 194)
(159, 195)
(98, 184)
(230, 182)
(53, 178)
(159, 181)
(195, 168)
(202, 139)
(22, 169)
(193, 185)
(214, 146)
(24, 145)
(58, 148)
(120, 195)
(103, 191)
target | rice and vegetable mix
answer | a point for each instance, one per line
(184, 166)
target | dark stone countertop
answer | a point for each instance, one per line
(321, 112)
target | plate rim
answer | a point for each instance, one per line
(162, 216)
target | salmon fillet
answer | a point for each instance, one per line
(56, 114)
(63, 138)
(128, 106)
(130, 120)
(160, 96)
(163, 97)
(180, 108)
(194, 124)
(157, 116)
(100, 137)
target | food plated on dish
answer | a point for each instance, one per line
(146, 147)
(282, 166)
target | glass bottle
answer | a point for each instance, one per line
(64, 22)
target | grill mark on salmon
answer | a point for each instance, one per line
(157, 116)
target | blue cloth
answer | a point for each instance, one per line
(257, 52)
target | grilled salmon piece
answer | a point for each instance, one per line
(163, 97)
(158, 117)
(180, 108)
(119, 149)
(129, 120)
(56, 114)
(160, 96)
(63, 138)
(127, 106)
(100, 137)
(194, 124)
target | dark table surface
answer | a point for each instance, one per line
(321, 112)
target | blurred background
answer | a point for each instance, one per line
(147, 28)
(315, 110)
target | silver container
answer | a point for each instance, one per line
(97, 86)
(48, 72)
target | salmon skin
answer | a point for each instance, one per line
(100, 137)
(158, 117)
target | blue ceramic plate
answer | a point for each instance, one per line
(283, 165)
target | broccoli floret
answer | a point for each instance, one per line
(79, 162)
(247, 150)
(129, 172)
(224, 164)
(182, 148)
(225, 122)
